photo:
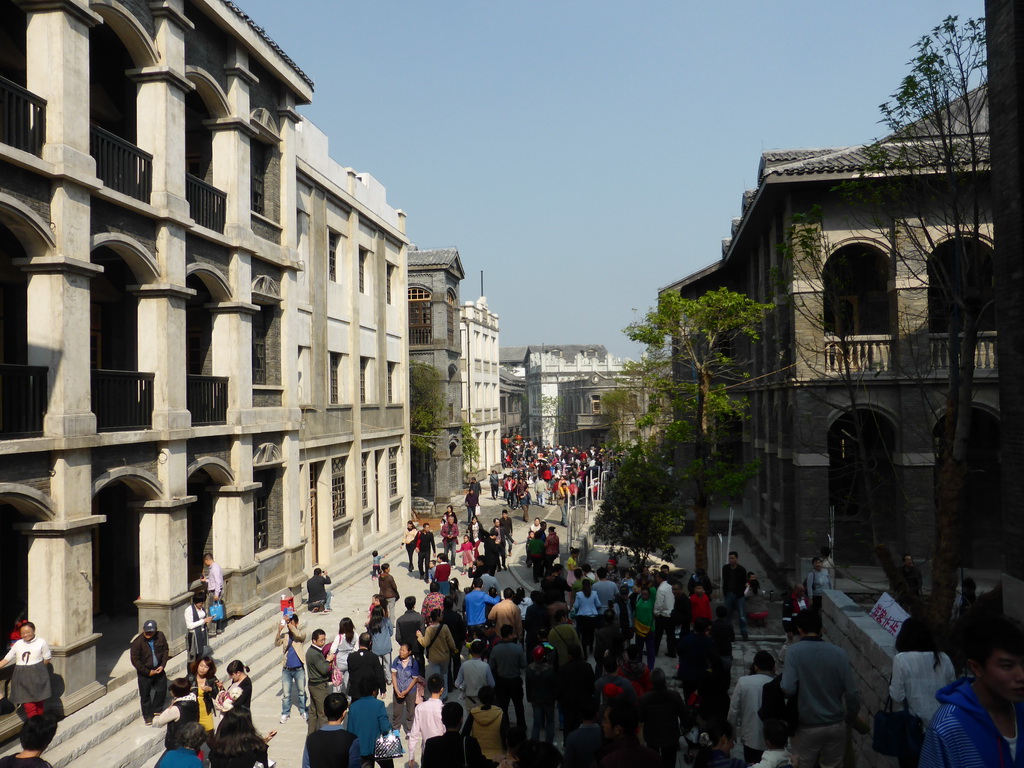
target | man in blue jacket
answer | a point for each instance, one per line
(981, 720)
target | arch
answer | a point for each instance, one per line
(209, 91)
(856, 290)
(142, 264)
(879, 409)
(132, 34)
(138, 480)
(213, 279)
(419, 293)
(218, 469)
(267, 454)
(262, 117)
(32, 232)
(976, 276)
(28, 500)
(267, 288)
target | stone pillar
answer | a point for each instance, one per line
(162, 307)
(60, 590)
(163, 583)
(57, 47)
(232, 340)
(231, 138)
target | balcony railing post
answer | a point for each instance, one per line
(121, 165)
(22, 118)
(22, 400)
(207, 398)
(208, 204)
(122, 399)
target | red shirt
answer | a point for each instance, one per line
(700, 606)
(442, 571)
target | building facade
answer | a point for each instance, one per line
(434, 340)
(480, 381)
(848, 377)
(166, 330)
(512, 393)
(580, 418)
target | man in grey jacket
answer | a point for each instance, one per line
(318, 672)
(828, 698)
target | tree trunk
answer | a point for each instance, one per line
(951, 483)
(700, 533)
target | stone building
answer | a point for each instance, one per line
(479, 369)
(580, 420)
(169, 329)
(884, 316)
(512, 392)
(434, 339)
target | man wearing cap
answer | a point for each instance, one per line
(149, 655)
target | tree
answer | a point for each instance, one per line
(631, 411)
(470, 447)
(427, 410)
(928, 186)
(640, 512)
(692, 351)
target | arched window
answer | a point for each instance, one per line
(856, 298)
(420, 327)
(960, 278)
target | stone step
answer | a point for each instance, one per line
(110, 732)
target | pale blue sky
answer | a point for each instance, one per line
(585, 153)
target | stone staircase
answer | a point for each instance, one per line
(110, 731)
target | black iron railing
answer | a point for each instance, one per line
(207, 398)
(121, 165)
(206, 203)
(22, 400)
(122, 400)
(22, 118)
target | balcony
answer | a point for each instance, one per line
(121, 166)
(207, 399)
(122, 400)
(207, 204)
(984, 353)
(863, 354)
(22, 400)
(22, 118)
(421, 336)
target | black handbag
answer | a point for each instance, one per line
(897, 734)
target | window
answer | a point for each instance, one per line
(453, 311)
(260, 331)
(391, 383)
(338, 488)
(595, 404)
(366, 480)
(257, 175)
(335, 378)
(393, 471)
(420, 327)
(332, 256)
(261, 523)
(390, 277)
(364, 363)
(364, 257)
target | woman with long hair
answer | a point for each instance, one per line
(756, 603)
(409, 540)
(344, 644)
(919, 669)
(202, 674)
(239, 690)
(238, 744)
(380, 630)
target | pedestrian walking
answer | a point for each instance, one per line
(30, 683)
(318, 671)
(293, 671)
(149, 653)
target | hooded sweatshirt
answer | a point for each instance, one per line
(962, 735)
(487, 731)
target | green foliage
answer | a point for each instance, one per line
(470, 447)
(427, 407)
(641, 511)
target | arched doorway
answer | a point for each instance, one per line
(856, 292)
(13, 567)
(863, 487)
(115, 553)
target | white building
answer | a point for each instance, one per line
(481, 380)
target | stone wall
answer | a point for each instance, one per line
(871, 650)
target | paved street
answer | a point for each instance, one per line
(353, 598)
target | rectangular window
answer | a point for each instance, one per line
(366, 480)
(260, 331)
(364, 363)
(335, 378)
(595, 404)
(390, 277)
(393, 471)
(332, 256)
(364, 256)
(338, 488)
(261, 523)
(391, 382)
(257, 175)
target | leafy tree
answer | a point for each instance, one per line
(427, 412)
(631, 411)
(470, 447)
(691, 347)
(640, 512)
(928, 187)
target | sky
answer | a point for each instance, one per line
(583, 154)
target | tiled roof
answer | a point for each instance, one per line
(512, 355)
(263, 33)
(570, 350)
(433, 257)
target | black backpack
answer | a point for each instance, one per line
(775, 705)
